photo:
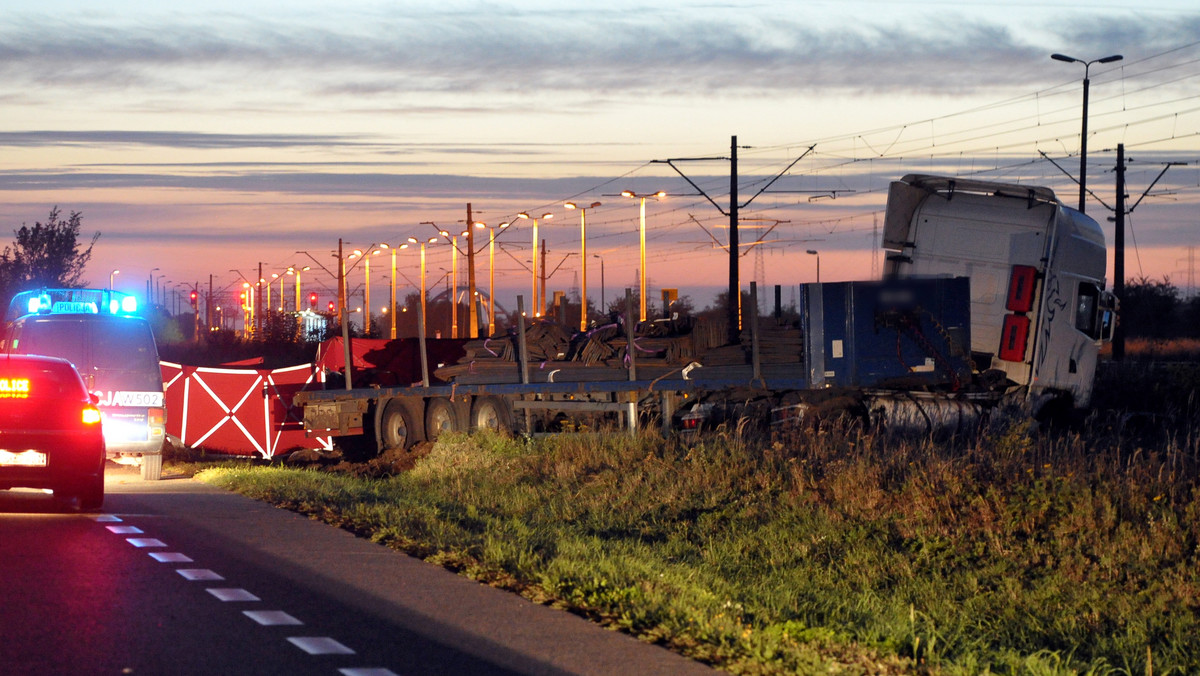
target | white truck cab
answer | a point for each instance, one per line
(1039, 311)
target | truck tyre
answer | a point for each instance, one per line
(396, 429)
(491, 413)
(440, 417)
(152, 466)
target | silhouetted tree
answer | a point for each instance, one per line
(47, 254)
(1149, 309)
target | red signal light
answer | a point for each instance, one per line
(331, 306)
(312, 300)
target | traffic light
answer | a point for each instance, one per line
(195, 298)
(312, 301)
(331, 307)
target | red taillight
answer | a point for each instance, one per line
(1013, 338)
(91, 415)
(155, 416)
(1020, 288)
(690, 423)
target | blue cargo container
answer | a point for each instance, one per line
(900, 333)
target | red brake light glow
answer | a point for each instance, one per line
(91, 415)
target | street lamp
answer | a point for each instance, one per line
(583, 257)
(392, 311)
(539, 300)
(642, 198)
(296, 271)
(112, 274)
(603, 307)
(424, 316)
(1083, 135)
(492, 277)
(366, 259)
(814, 253)
(150, 288)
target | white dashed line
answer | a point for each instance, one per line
(367, 672)
(145, 542)
(198, 574)
(226, 594)
(170, 557)
(271, 618)
(107, 518)
(124, 529)
(319, 645)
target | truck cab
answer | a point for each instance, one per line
(1039, 308)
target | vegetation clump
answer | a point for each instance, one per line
(852, 549)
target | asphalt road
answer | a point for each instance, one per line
(179, 577)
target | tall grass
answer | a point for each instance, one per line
(851, 549)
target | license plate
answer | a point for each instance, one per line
(22, 459)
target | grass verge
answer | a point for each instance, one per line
(854, 551)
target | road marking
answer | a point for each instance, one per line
(271, 618)
(170, 557)
(367, 672)
(227, 594)
(145, 542)
(198, 574)
(124, 529)
(319, 645)
(107, 518)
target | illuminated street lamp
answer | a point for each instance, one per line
(1083, 134)
(296, 271)
(366, 259)
(811, 252)
(392, 312)
(111, 275)
(642, 199)
(539, 300)
(583, 257)
(492, 276)
(424, 315)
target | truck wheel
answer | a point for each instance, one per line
(396, 428)
(491, 413)
(151, 466)
(440, 417)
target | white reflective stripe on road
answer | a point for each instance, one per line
(319, 645)
(227, 594)
(271, 618)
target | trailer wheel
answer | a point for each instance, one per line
(491, 413)
(440, 417)
(396, 428)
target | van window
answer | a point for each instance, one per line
(48, 337)
(124, 345)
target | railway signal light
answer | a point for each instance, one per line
(194, 297)
(312, 301)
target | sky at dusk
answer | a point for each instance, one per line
(211, 138)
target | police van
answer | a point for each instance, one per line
(101, 333)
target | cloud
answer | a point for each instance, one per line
(479, 49)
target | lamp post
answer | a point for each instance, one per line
(150, 288)
(392, 310)
(539, 300)
(492, 277)
(603, 307)
(642, 231)
(582, 257)
(111, 275)
(811, 252)
(296, 271)
(431, 240)
(1083, 135)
